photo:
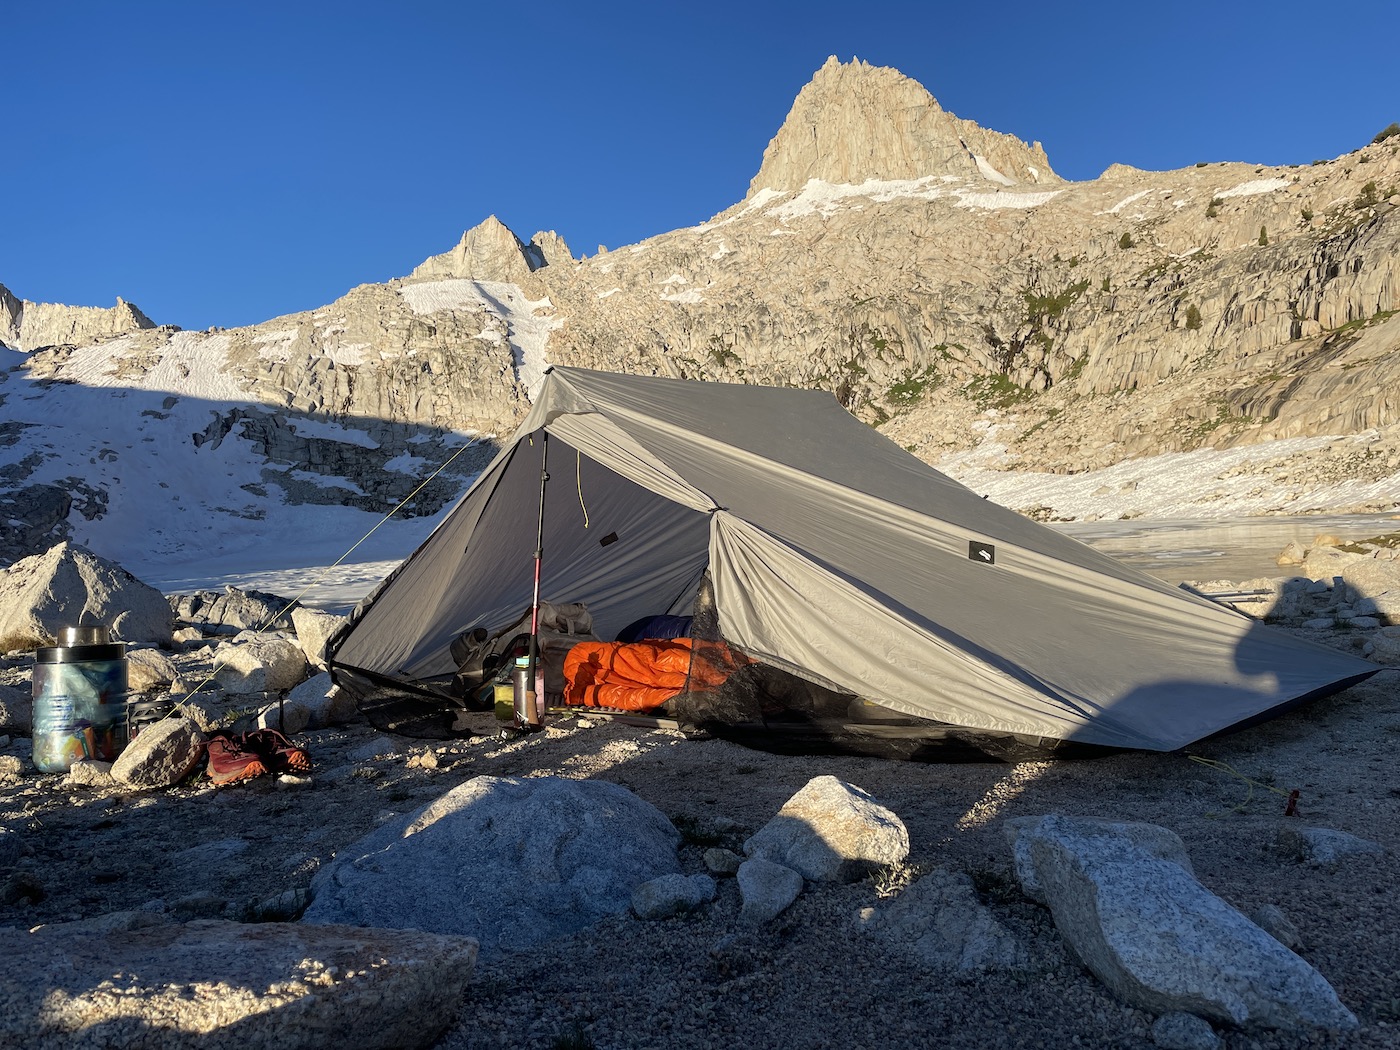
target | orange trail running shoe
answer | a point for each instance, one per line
(231, 761)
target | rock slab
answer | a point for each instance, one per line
(1162, 942)
(943, 924)
(512, 862)
(216, 985)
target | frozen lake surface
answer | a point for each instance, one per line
(1174, 550)
(1218, 548)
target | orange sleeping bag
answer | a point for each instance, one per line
(641, 676)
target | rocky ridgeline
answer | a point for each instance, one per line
(29, 326)
(914, 264)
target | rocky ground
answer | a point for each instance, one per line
(811, 978)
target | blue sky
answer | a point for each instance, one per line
(221, 164)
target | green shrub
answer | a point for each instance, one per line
(1213, 208)
(1125, 241)
(1388, 132)
(1193, 317)
(1263, 237)
(1307, 214)
(910, 391)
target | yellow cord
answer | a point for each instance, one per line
(179, 704)
(1225, 767)
(578, 475)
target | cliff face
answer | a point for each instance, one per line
(27, 326)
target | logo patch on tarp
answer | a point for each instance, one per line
(983, 552)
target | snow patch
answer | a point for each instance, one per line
(191, 364)
(1255, 187)
(455, 293)
(526, 327)
(304, 426)
(1123, 203)
(407, 463)
(994, 201)
(757, 202)
(991, 173)
(346, 353)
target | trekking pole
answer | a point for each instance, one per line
(534, 702)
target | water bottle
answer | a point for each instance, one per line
(80, 688)
(528, 699)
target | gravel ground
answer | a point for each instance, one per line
(811, 978)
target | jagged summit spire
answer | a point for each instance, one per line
(489, 251)
(854, 121)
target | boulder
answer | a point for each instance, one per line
(767, 890)
(1385, 646)
(149, 670)
(230, 985)
(831, 831)
(287, 716)
(1164, 943)
(164, 753)
(326, 704)
(721, 861)
(69, 586)
(314, 629)
(1327, 561)
(91, 772)
(1374, 585)
(11, 769)
(1183, 1031)
(940, 921)
(16, 709)
(1326, 847)
(233, 611)
(259, 663)
(672, 894)
(515, 862)
(1271, 919)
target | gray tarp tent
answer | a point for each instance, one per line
(835, 554)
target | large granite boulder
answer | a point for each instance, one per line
(1373, 585)
(831, 831)
(314, 629)
(259, 663)
(69, 586)
(216, 985)
(1161, 941)
(512, 862)
(233, 610)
